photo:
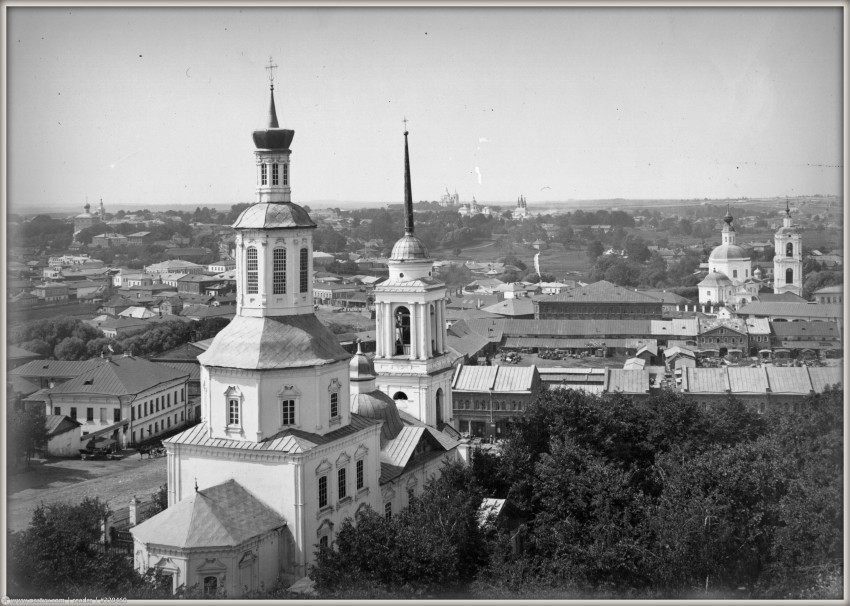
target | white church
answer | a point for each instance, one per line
(731, 280)
(296, 434)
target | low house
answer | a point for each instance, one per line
(486, 399)
(830, 295)
(51, 292)
(63, 436)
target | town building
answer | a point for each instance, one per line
(283, 453)
(125, 398)
(788, 259)
(600, 300)
(175, 266)
(109, 240)
(830, 295)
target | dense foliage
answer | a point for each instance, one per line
(72, 339)
(25, 435)
(661, 499)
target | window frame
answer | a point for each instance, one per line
(252, 270)
(275, 174)
(341, 483)
(279, 271)
(322, 485)
(360, 474)
(304, 270)
(264, 174)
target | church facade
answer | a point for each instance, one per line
(286, 448)
(788, 259)
(730, 280)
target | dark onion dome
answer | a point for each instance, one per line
(409, 248)
(273, 343)
(273, 215)
(378, 406)
(728, 216)
(728, 252)
(273, 138)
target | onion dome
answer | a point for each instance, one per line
(757, 273)
(273, 137)
(409, 248)
(728, 252)
(274, 215)
(361, 368)
(728, 217)
(716, 278)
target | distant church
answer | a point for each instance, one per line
(297, 435)
(731, 280)
(88, 219)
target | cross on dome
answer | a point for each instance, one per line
(271, 67)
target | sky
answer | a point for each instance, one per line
(155, 106)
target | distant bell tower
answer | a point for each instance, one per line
(412, 360)
(788, 258)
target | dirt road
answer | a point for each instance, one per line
(115, 482)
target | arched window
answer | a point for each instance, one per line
(439, 407)
(789, 250)
(304, 270)
(402, 331)
(252, 267)
(789, 275)
(400, 395)
(279, 271)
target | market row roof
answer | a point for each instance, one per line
(498, 379)
(795, 380)
(799, 310)
(598, 292)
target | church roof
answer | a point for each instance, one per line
(715, 278)
(378, 406)
(292, 441)
(273, 215)
(398, 453)
(728, 252)
(225, 515)
(274, 342)
(409, 248)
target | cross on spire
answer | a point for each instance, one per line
(405, 125)
(271, 67)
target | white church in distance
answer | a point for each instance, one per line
(296, 434)
(731, 280)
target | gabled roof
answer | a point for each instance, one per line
(802, 310)
(789, 380)
(821, 376)
(747, 380)
(16, 353)
(811, 330)
(59, 424)
(119, 376)
(398, 453)
(621, 380)
(512, 307)
(705, 380)
(225, 515)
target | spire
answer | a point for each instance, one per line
(728, 217)
(272, 111)
(408, 195)
(787, 208)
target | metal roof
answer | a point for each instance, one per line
(821, 376)
(747, 380)
(293, 441)
(54, 368)
(274, 342)
(800, 310)
(705, 380)
(512, 307)
(758, 326)
(620, 380)
(599, 292)
(677, 327)
(578, 342)
(789, 379)
(59, 424)
(811, 330)
(119, 376)
(225, 515)
(498, 379)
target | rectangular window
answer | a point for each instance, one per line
(116, 415)
(253, 274)
(340, 475)
(264, 174)
(323, 491)
(74, 412)
(181, 416)
(359, 467)
(279, 271)
(274, 174)
(388, 510)
(57, 410)
(146, 409)
(233, 412)
(132, 413)
(168, 399)
(103, 415)
(168, 422)
(304, 270)
(156, 427)
(286, 174)
(334, 405)
(287, 412)
(323, 540)
(134, 437)
(183, 394)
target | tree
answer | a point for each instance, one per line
(71, 348)
(25, 435)
(594, 250)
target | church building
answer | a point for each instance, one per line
(730, 280)
(788, 259)
(295, 435)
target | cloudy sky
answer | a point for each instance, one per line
(152, 106)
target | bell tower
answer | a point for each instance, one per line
(788, 259)
(412, 360)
